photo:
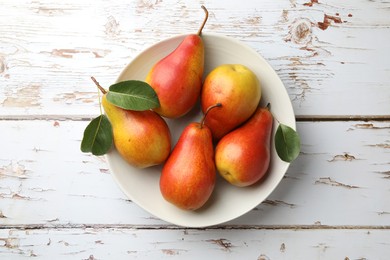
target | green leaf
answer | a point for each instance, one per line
(287, 143)
(97, 136)
(133, 95)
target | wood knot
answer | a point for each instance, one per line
(112, 27)
(300, 32)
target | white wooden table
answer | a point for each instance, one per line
(59, 203)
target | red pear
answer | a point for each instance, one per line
(177, 78)
(243, 156)
(188, 176)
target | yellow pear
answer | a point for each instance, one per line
(238, 89)
(142, 138)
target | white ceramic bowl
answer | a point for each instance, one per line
(227, 201)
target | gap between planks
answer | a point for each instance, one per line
(299, 118)
(173, 227)
(312, 118)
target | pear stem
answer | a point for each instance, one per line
(98, 85)
(207, 111)
(204, 21)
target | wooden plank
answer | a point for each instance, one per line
(341, 178)
(328, 54)
(194, 244)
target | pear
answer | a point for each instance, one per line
(239, 91)
(242, 156)
(177, 78)
(142, 138)
(188, 176)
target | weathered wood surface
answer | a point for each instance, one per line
(330, 55)
(96, 243)
(56, 202)
(341, 178)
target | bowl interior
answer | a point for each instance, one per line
(227, 201)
